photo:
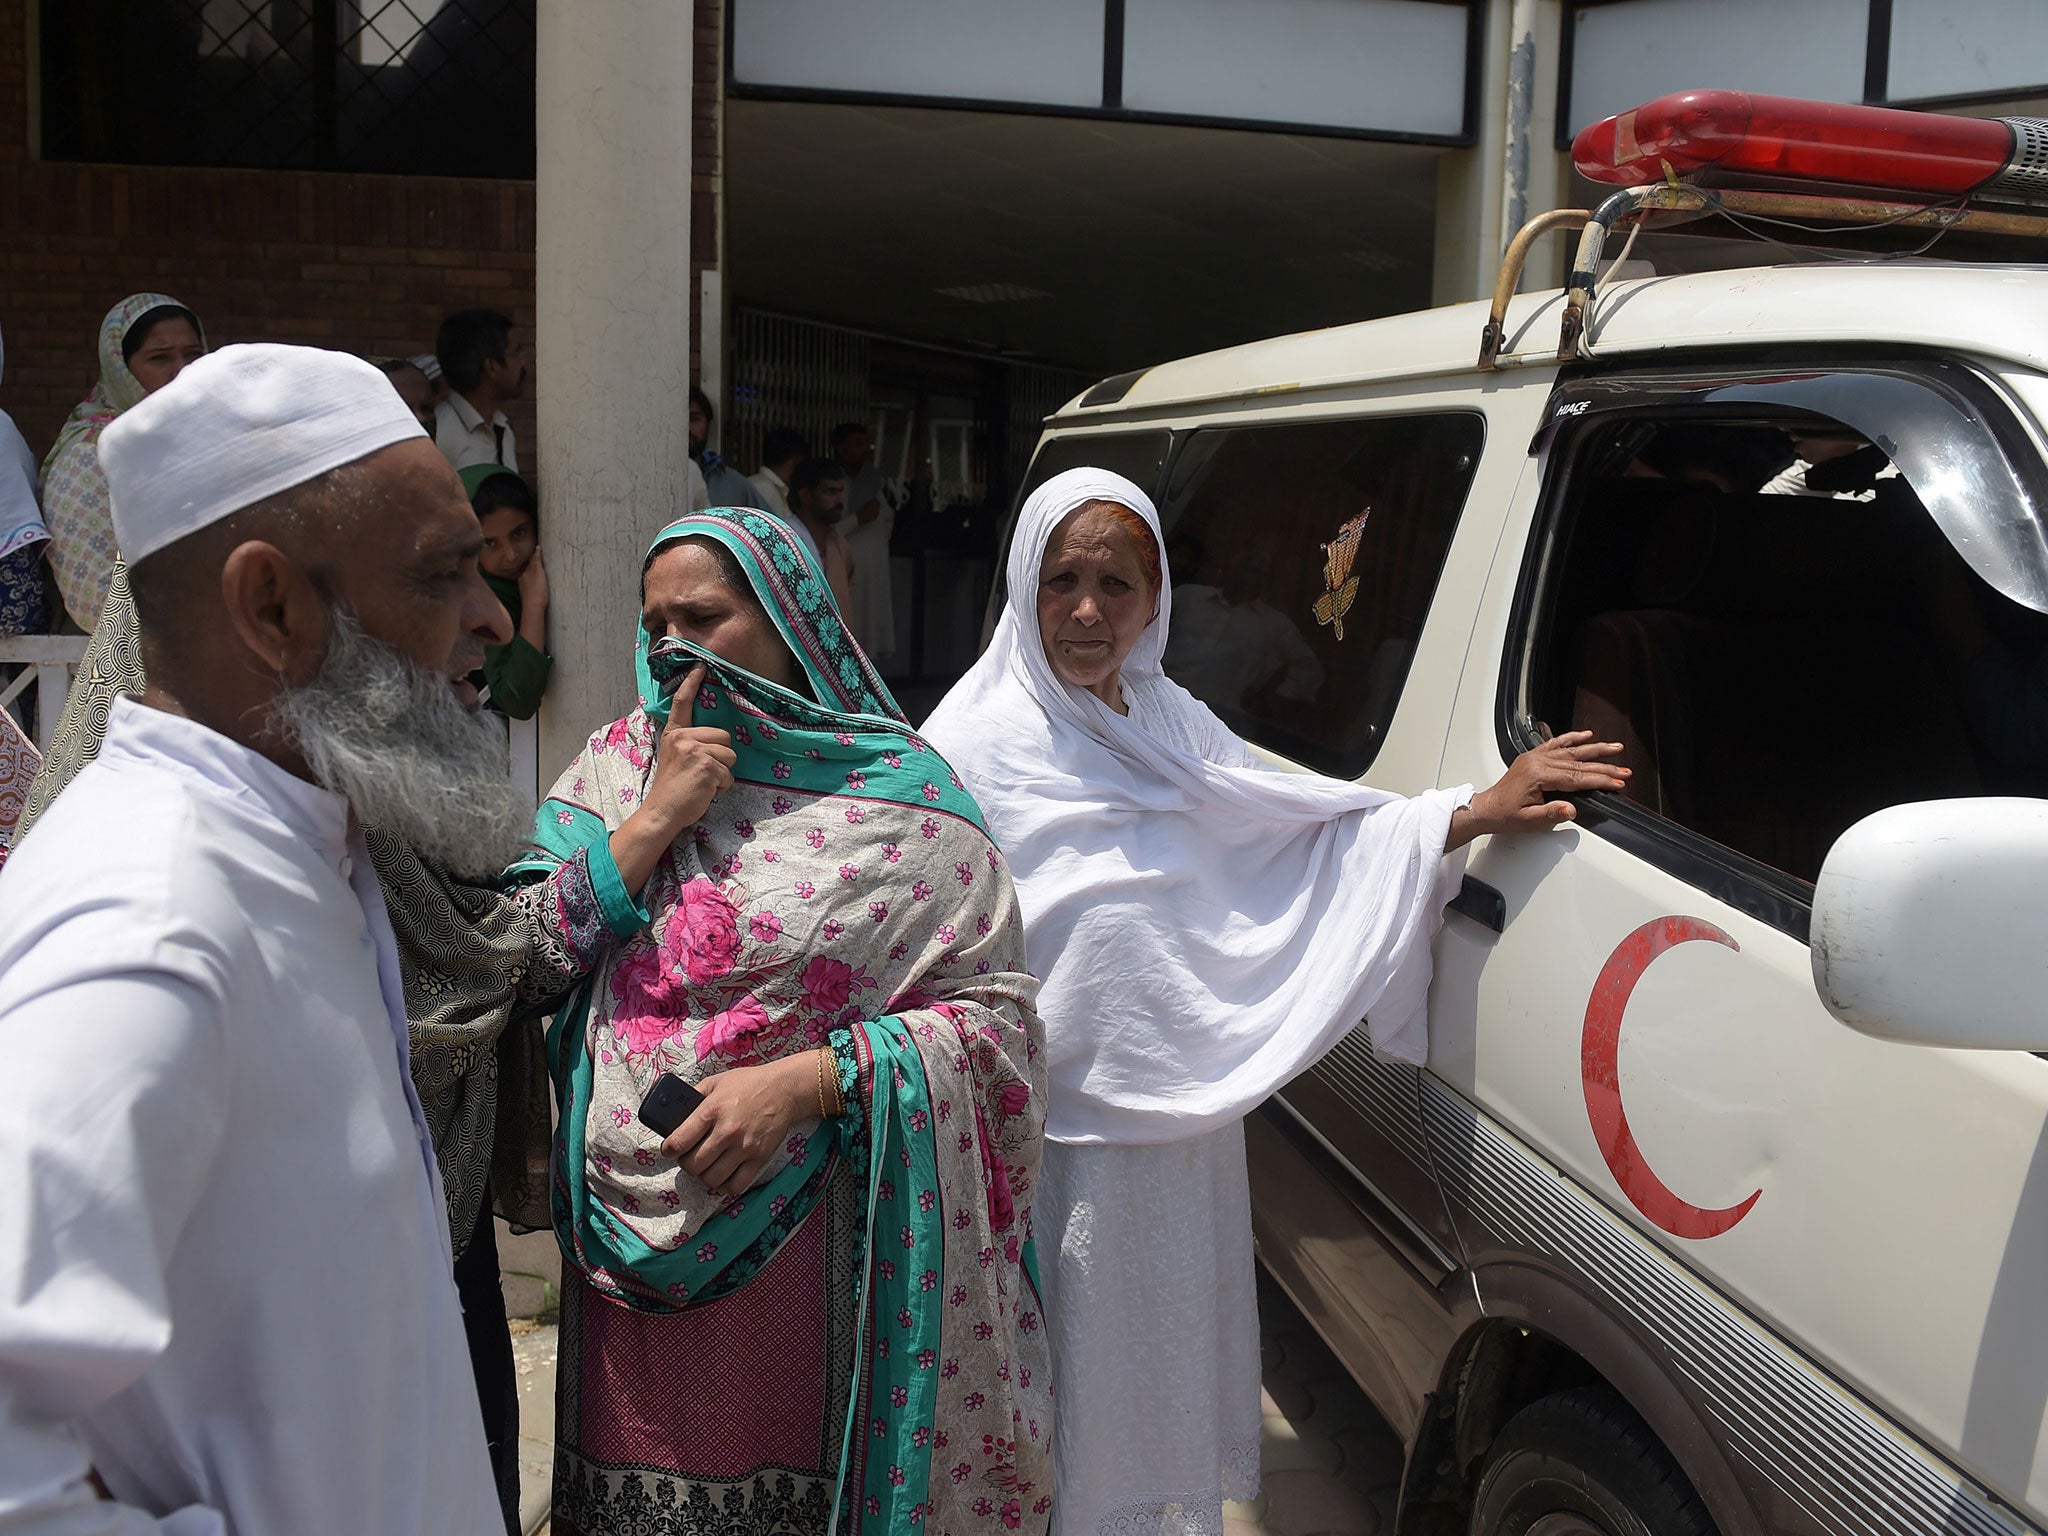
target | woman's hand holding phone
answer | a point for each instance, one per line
(746, 1114)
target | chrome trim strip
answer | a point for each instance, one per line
(1846, 1468)
(1425, 1242)
(1382, 1093)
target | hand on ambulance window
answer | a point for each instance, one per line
(1526, 798)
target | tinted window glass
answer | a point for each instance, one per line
(1303, 560)
(1764, 612)
(1137, 456)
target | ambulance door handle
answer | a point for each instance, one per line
(1482, 904)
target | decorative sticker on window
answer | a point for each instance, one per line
(1338, 554)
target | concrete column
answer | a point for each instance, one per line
(1513, 168)
(1519, 87)
(612, 343)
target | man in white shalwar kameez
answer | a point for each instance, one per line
(225, 1293)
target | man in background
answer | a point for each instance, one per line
(430, 369)
(1235, 651)
(414, 388)
(781, 451)
(485, 367)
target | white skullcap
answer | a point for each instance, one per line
(236, 426)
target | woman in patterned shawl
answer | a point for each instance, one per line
(145, 341)
(814, 1305)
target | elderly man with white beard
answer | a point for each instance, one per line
(225, 1296)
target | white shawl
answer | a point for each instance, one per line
(1205, 927)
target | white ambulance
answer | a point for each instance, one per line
(1722, 1204)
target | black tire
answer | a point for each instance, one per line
(1583, 1463)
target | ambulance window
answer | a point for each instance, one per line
(1137, 456)
(1303, 558)
(1764, 611)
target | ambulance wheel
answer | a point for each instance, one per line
(1583, 1463)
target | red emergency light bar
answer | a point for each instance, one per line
(1784, 138)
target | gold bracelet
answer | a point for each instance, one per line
(823, 1112)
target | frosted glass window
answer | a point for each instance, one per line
(1046, 53)
(1967, 47)
(1625, 55)
(1393, 66)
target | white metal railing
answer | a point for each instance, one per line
(52, 659)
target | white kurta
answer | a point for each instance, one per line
(873, 619)
(224, 1263)
(1152, 1300)
(465, 438)
(773, 491)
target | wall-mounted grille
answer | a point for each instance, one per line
(792, 373)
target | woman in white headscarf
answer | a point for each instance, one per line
(1204, 927)
(144, 342)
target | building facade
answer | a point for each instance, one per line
(936, 219)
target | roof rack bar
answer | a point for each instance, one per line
(1666, 197)
(1510, 277)
(1628, 202)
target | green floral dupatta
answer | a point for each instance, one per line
(843, 892)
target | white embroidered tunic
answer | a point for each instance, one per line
(224, 1264)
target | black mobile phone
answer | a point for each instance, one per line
(668, 1104)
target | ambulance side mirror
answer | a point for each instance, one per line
(1927, 925)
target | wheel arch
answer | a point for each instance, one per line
(1535, 1334)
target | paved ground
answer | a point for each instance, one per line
(1331, 1464)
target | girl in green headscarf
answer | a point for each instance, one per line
(515, 674)
(815, 1303)
(145, 341)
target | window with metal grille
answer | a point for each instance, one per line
(428, 87)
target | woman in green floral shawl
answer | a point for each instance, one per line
(814, 1306)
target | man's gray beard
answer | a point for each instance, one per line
(394, 740)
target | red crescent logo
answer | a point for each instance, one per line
(1600, 1069)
